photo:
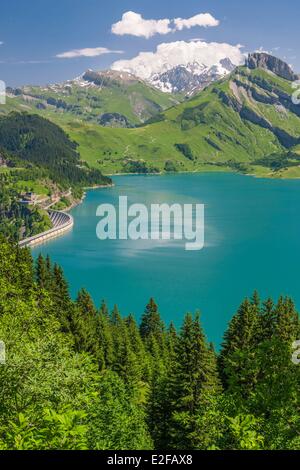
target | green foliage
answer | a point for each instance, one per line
(243, 429)
(185, 149)
(139, 167)
(170, 167)
(78, 377)
(279, 161)
(17, 220)
(117, 421)
(52, 430)
(38, 142)
(195, 390)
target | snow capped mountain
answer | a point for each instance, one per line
(183, 67)
(190, 78)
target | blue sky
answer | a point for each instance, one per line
(34, 32)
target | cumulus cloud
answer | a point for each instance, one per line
(203, 19)
(87, 52)
(134, 24)
(169, 55)
(262, 50)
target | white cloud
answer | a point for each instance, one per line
(196, 39)
(169, 55)
(262, 50)
(203, 19)
(87, 52)
(135, 25)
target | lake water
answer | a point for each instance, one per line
(252, 232)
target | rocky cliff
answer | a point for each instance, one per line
(271, 63)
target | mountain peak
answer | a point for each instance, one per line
(191, 77)
(271, 63)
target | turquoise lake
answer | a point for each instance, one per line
(252, 231)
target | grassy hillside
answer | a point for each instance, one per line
(232, 124)
(96, 96)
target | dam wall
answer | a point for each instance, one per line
(62, 223)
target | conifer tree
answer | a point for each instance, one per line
(152, 325)
(84, 327)
(136, 342)
(267, 321)
(64, 308)
(273, 355)
(196, 389)
(236, 361)
(43, 273)
(24, 271)
(126, 362)
(287, 320)
(105, 336)
(159, 409)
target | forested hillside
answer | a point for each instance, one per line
(33, 141)
(78, 376)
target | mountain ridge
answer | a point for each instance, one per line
(235, 123)
(191, 78)
(94, 94)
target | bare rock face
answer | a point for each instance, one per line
(271, 63)
(191, 78)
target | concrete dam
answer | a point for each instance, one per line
(62, 222)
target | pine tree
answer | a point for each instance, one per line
(196, 388)
(136, 342)
(236, 361)
(43, 273)
(152, 325)
(63, 306)
(84, 327)
(274, 361)
(24, 272)
(287, 320)
(105, 337)
(159, 409)
(267, 321)
(126, 362)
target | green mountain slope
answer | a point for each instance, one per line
(32, 142)
(246, 122)
(232, 124)
(111, 99)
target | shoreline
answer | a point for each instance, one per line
(91, 188)
(77, 202)
(65, 225)
(55, 232)
(229, 171)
